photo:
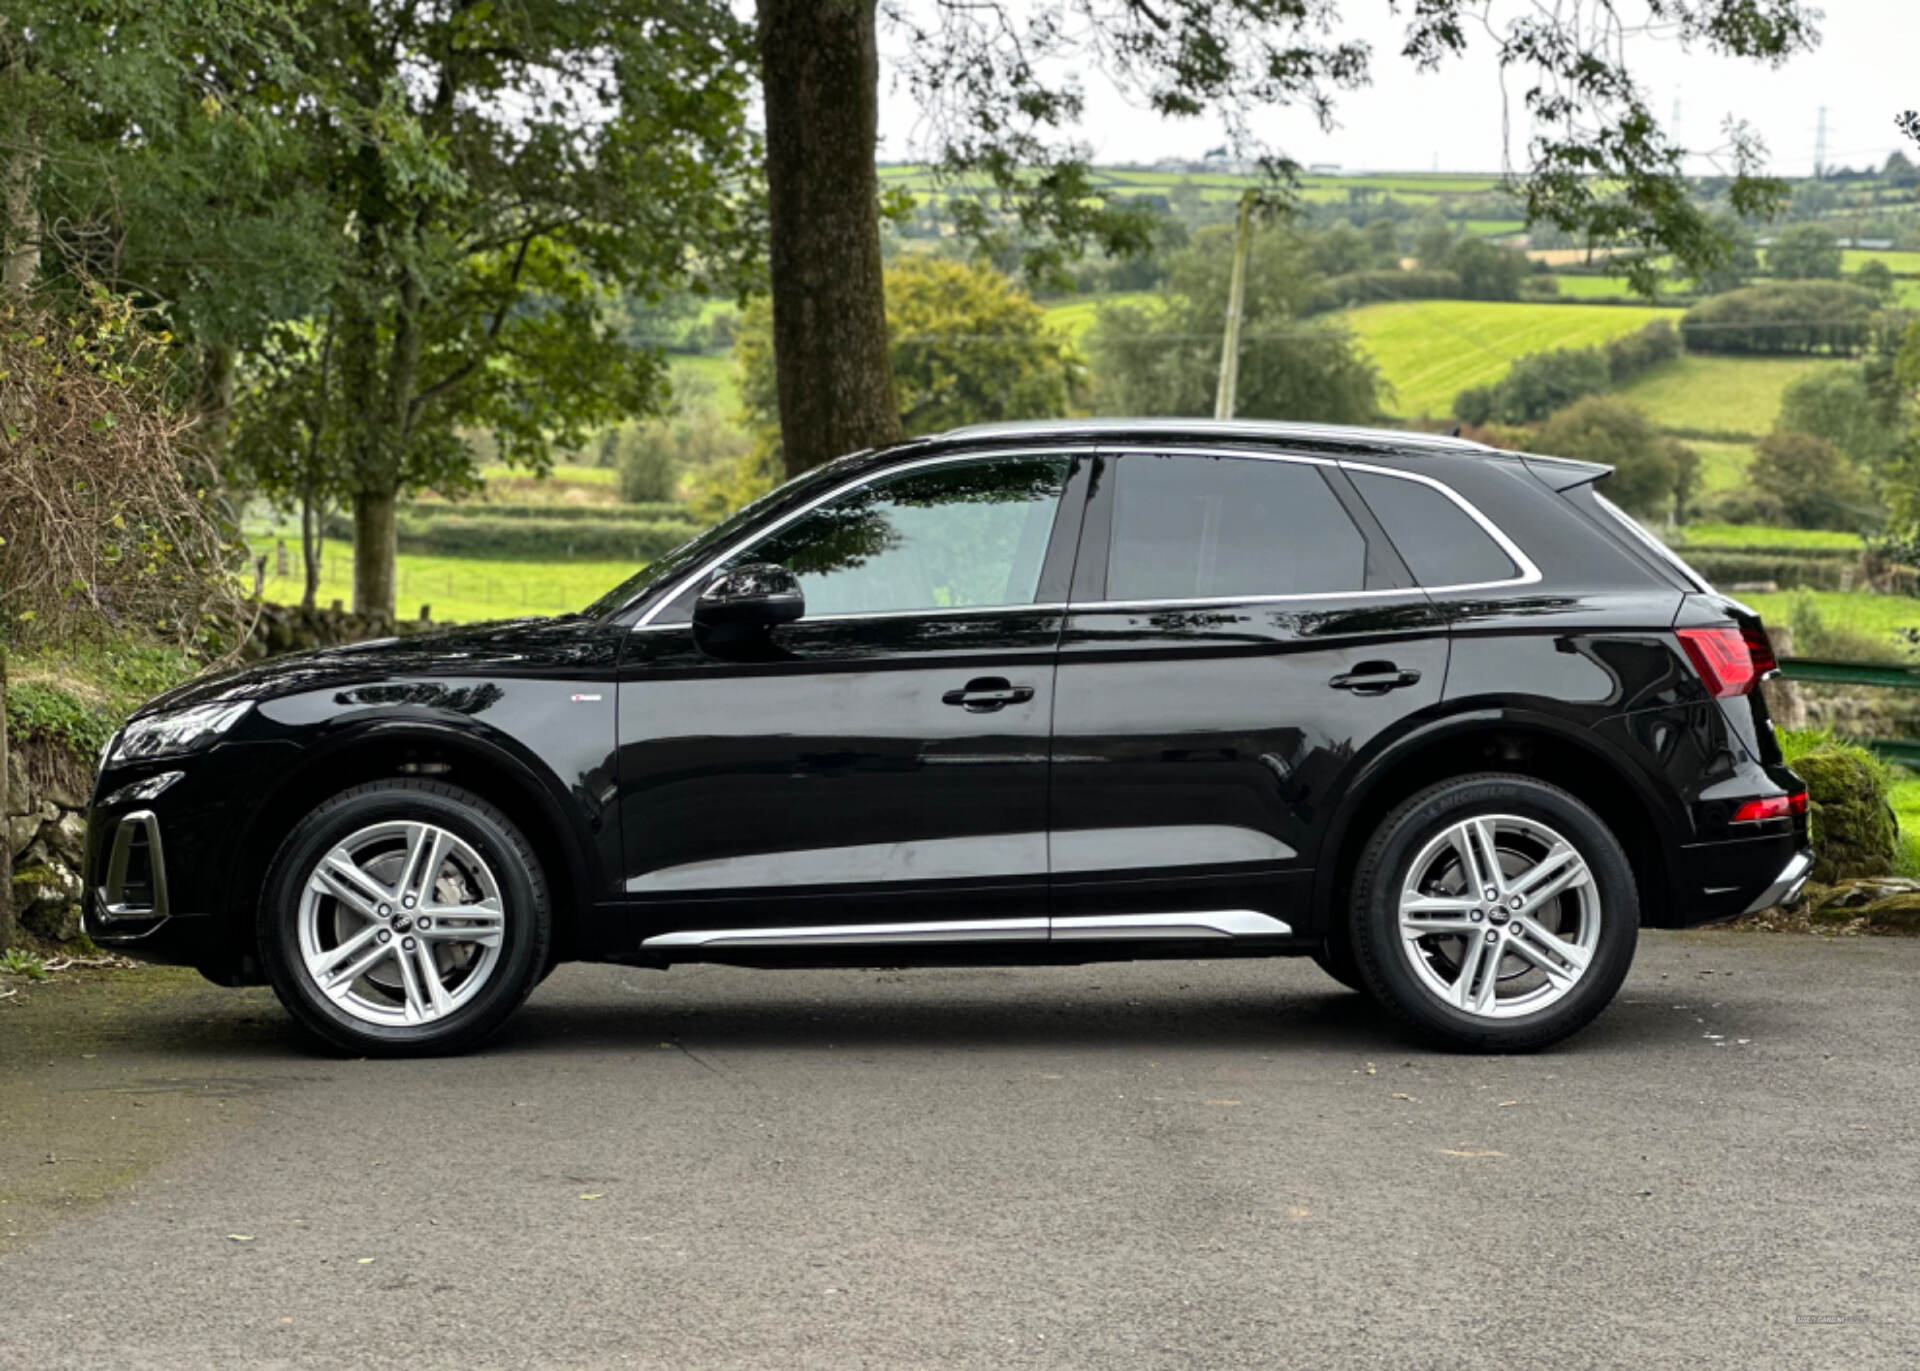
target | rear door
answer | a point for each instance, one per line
(1239, 635)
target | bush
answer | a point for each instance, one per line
(651, 457)
(1836, 403)
(1789, 570)
(1636, 353)
(1366, 287)
(1815, 636)
(1848, 815)
(1814, 484)
(632, 540)
(1541, 382)
(1487, 272)
(1782, 317)
(99, 523)
(1652, 475)
(1804, 252)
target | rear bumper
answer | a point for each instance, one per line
(1722, 880)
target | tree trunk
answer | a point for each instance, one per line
(9, 919)
(310, 545)
(820, 70)
(20, 227)
(214, 402)
(374, 543)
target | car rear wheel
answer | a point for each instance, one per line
(404, 917)
(1495, 912)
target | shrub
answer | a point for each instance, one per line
(1638, 352)
(1788, 570)
(98, 521)
(1847, 812)
(1836, 403)
(1652, 475)
(1541, 382)
(1782, 317)
(1814, 484)
(649, 511)
(631, 540)
(1366, 287)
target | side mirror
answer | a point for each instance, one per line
(755, 594)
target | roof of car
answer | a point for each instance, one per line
(1215, 430)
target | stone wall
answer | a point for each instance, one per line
(290, 628)
(47, 832)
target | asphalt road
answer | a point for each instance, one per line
(1153, 1165)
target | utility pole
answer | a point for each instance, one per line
(1223, 400)
(1820, 145)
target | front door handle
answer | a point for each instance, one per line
(1374, 678)
(984, 694)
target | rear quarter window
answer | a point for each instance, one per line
(1440, 542)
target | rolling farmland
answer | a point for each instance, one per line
(1721, 395)
(1430, 350)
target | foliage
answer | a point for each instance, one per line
(1787, 570)
(41, 709)
(1804, 252)
(652, 456)
(968, 347)
(1163, 356)
(17, 961)
(1835, 404)
(1782, 317)
(1367, 287)
(1739, 263)
(1002, 88)
(496, 172)
(1819, 633)
(1876, 276)
(1487, 272)
(1653, 474)
(1814, 483)
(1848, 817)
(99, 524)
(74, 694)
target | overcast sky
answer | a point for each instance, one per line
(1862, 72)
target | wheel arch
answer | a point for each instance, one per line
(1541, 746)
(382, 749)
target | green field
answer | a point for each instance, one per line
(1075, 317)
(1762, 535)
(711, 380)
(1593, 287)
(1430, 350)
(1723, 466)
(1719, 394)
(1899, 263)
(1876, 614)
(460, 589)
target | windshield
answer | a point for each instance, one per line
(690, 553)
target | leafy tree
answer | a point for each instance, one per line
(1737, 266)
(1876, 276)
(1834, 404)
(1003, 90)
(1782, 317)
(1653, 475)
(495, 171)
(1804, 252)
(967, 347)
(1487, 271)
(1163, 357)
(1816, 484)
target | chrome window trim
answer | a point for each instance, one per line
(854, 483)
(1529, 572)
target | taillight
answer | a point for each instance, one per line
(1772, 807)
(1730, 660)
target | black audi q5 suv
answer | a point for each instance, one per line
(1436, 715)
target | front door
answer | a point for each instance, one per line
(1240, 634)
(877, 771)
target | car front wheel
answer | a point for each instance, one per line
(404, 917)
(1495, 912)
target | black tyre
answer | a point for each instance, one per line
(1495, 912)
(404, 917)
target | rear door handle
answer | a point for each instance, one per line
(1374, 678)
(984, 694)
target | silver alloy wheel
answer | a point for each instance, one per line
(401, 923)
(1499, 916)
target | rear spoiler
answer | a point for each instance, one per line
(1564, 473)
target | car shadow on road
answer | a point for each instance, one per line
(1199, 1020)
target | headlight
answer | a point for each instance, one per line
(175, 732)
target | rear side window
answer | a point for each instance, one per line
(1439, 541)
(1192, 527)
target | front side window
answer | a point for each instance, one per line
(1193, 527)
(960, 535)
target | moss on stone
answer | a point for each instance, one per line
(1853, 828)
